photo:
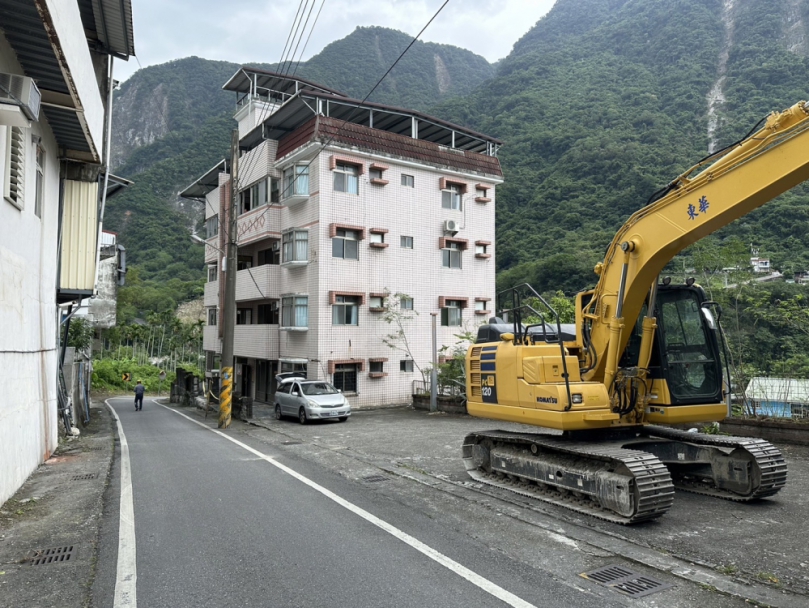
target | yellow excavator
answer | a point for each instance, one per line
(644, 354)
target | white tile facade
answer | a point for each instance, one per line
(394, 210)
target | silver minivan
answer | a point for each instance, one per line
(310, 400)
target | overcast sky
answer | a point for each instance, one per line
(245, 31)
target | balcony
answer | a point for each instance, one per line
(211, 297)
(210, 339)
(257, 341)
(263, 284)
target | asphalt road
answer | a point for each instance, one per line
(218, 525)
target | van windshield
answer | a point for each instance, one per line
(318, 388)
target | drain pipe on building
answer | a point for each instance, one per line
(106, 159)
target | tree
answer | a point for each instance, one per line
(398, 318)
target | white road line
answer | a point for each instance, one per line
(474, 578)
(127, 575)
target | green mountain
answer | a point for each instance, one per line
(172, 122)
(605, 101)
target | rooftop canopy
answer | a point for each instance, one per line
(299, 100)
(208, 182)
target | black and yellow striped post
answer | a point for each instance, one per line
(224, 397)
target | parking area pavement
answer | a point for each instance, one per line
(761, 543)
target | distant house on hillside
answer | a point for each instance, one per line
(760, 264)
(779, 397)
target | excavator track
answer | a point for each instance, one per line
(764, 467)
(607, 481)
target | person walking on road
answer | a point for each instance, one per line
(139, 388)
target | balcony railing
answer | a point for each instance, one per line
(258, 341)
(264, 283)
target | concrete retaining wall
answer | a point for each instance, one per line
(774, 431)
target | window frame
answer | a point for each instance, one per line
(449, 252)
(213, 315)
(292, 244)
(213, 271)
(404, 301)
(339, 240)
(269, 313)
(15, 166)
(452, 197)
(244, 316)
(403, 242)
(406, 366)
(408, 181)
(349, 175)
(293, 177)
(448, 314)
(350, 306)
(212, 226)
(293, 308)
(344, 369)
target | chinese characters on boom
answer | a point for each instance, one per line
(703, 208)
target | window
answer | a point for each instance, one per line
(377, 237)
(212, 226)
(375, 173)
(406, 303)
(212, 273)
(268, 314)
(274, 198)
(408, 180)
(211, 316)
(244, 316)
(345, 245)
(295, 311)
(244, 262)
(451, 198)
(345, 310)
(253, 197)
(14, 183)
(451, 313)
(296, 181)
(345, 377)
(480, 305)
(376, 302)
(451, 255)
(40, 160)
(406, 242)
(376, 367)
(296, 246)
(346, 178)
(480, 249)
(271, 255)
(292, 366)
(406, 365)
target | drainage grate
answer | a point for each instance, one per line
(51, 556)
(374, 478)
(626, 581)
(83, 477)
(291, 442)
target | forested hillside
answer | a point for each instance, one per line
(604, 101)
(172, 122)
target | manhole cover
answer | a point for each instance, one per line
(626, 581)
(291, 442)
(374, 478)
(51, 556)
(83, 477)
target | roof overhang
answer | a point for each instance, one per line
(248, 80)
(116, 184)
(208, 182)
(108, 24)
(301, 107)
(49, 38)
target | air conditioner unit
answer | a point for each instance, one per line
(451, 226)
(21, 91)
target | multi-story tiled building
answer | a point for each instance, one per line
(356, 222)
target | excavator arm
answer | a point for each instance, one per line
(710, 195)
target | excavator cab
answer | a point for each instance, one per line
(685, 366)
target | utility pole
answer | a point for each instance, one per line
(228, 319)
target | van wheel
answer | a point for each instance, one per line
(278, 414)
(302, 416)
(342, 418)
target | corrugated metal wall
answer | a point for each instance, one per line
(79, 227)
